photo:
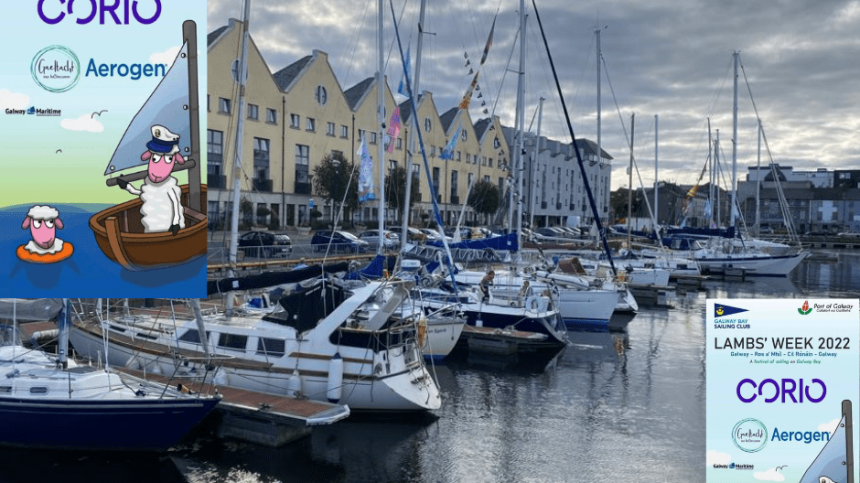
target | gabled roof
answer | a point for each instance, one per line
(590, 147)
(482, 126)
(213, 36)
(448, 118)
(355, 94)
(286, 76)
(405, 111)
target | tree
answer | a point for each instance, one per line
(484, 197)
(395, 186)
(332, 178)
(618, 203)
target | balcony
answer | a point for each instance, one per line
(558, 206)
(303, 188)
(263, 185)
(572, 207)
(215, 181)
(455, 199)
(543, 205)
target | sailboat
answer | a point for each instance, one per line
(119, 230)
(835, 462)
(51, 402)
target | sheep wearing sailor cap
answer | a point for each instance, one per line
(160, 191)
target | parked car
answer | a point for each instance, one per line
(341, 241)
(433, 235)
(392, 240)
(848, 234)
(265, 244)
(465, 232)
(414, 235)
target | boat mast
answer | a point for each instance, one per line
(237, 162)
(716, 175)
(380, 117)
(533, 167)
(408, 195)
(656, 205)
(189, 34)
(521, 120)
(710, 176)
(758, 183)
(63, 337)
(630, 183)
(732, 209)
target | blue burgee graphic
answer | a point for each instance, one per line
(721, 310)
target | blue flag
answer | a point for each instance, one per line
(448, 152)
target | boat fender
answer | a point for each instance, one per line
(335, 378)
(221, 378)
(422, 332)
(294, 385)
(532, 303)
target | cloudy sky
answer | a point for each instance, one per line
(667, 58)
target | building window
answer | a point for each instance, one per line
(362, 134)
(344, 132)
(399, 143)
(490, 162)
(458, 155)
(373, 138)
(463, 135)
(215, 157)
(311, 124)
(432, 150)
(321, 95)
(295, 121)
(436, 179)
(427, 124)
(454, 179)
(223, 105)
(496, 143)
(253, 112)
(329, 129)
(261, 162)
(471, 179)
(303, 156)
(392, 165)
(271, 116)
(208, 99)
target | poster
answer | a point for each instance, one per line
(102, 155)
(783, 380)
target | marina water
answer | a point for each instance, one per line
(626, 406)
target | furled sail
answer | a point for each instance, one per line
(835, 460)
(168, 106)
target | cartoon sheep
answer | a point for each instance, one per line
(44, 247)
(160, 192)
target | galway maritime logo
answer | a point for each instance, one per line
(721, 310)
(56, 69)
(750, 435)
(806, 309)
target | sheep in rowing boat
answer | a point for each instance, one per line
(160, 192)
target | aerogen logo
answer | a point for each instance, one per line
(750, 435)
(56, 69)
(724, 310)
(806, 309)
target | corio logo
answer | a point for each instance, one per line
(56, 68)
(750, 435)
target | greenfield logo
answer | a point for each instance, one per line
(56, 69)
(750, 435)
(805, 310)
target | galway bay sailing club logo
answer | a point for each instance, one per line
(806, 309)
(56, 68)
(722, 310)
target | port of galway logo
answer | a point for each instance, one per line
(806, 309)
(723, 310)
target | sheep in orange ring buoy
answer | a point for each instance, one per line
(45, 247)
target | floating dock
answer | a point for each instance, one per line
(261, 418)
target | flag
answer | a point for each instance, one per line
(402, 88)
(365, 173)
(448, 152)
(467, 97)
(707, 211)
(489, 42)
(393, 129)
